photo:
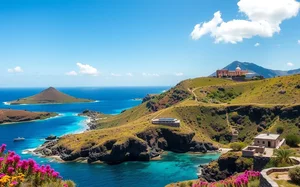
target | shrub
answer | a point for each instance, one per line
(248, 178)
(254, 183)
(294, 174)
(237, 146)
(283, 157)
(292, 140)
(190, 183)
(15, 172)
(279, 130)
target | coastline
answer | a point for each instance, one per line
(9, 104)
(36, 120)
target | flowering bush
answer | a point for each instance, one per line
(14, 172)
(241, 180)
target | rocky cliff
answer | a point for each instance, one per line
(142, 147)
(227, 165)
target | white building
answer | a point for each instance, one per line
(267, 140)
(172, 122)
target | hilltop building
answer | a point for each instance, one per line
(227, 73)
(172, 122)
(263, 142)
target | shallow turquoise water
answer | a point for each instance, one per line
(172, 168)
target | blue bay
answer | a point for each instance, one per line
(171, 168)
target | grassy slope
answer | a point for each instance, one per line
(268, 91)
(50, 95)
(9, 116)
(207, 120)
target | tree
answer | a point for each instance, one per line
(292, 140)
(283, 157)
(279, 130)
(237, 146)
(294, 174)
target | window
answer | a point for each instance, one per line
(258, 141)
(263, 142)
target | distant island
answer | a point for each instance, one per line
(14, 116)
(49, 96)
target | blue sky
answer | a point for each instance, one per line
(139, 42)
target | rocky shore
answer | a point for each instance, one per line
(142, 147)
(93, 116)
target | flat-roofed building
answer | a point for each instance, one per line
(268, 140)
(262, 145)
(172, 122)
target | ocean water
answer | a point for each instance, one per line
(171, 168)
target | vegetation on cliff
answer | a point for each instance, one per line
(13, 116)
(49, 96)
(201, 122)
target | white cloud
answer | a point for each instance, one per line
(129, 74)
(17, 69)
(115, 75)
(257, 44)
(87, 69)
(150, 75)
(179, 74)
(72, 73)
(290, 64)
(299, 42)
(205, 28)
(263, 19)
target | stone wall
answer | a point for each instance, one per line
(266, 181)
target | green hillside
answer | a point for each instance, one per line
(210, 109)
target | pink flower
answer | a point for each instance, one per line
(66, 185)
(10, 170)
(16, 158)
(2, 148)
(11, 153)
(2, 175)
(15, 183)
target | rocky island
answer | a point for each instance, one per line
(49, 96)
(14, 116)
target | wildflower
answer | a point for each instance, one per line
(16, 158)
(10, 170)
(2, 148)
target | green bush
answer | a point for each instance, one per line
(190, 183)
(294, 174)
(292, 140)
(279, 130)
(254, 183)
(237, 146)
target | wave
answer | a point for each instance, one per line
(28, 151)
(6, 103)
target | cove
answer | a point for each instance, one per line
(171, 168)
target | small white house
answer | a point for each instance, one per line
(261, 142)
(267, 140)
(172, 122)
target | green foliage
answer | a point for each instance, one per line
(237, 146)
(254, 183)
(292, 140)
(279, 130)
(190, 183)
(294, 174)
(282, 157)
(183, 184)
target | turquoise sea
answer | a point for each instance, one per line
(171, 168)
